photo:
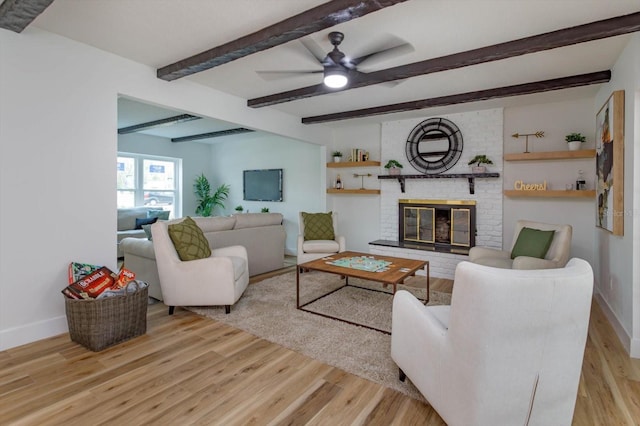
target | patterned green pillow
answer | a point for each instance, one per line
(532, 242)
(318, 226)
(189, 240)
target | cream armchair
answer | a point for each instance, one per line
(315, 249)
(509, 349)
(217, 280)
(556, 257)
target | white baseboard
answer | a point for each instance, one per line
(629, 344)
(28, 333)
(635, 348)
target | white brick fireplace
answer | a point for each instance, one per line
(482, 134)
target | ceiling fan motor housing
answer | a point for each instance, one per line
(336, 38)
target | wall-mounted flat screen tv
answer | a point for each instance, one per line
(262, 185)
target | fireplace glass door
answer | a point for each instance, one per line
(448, 225)
(461, 227)
(419, 224)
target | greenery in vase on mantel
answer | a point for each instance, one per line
(479, 161)
(394, 167)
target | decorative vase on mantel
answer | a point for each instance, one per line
(574, 145)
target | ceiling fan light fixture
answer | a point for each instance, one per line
(335, 78)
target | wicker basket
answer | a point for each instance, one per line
(100, 323)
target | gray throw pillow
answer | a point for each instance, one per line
(160, 214)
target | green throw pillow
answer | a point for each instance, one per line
(532, 243)
(189, 240)
(147, 231)
(160, 214)
(318, 226)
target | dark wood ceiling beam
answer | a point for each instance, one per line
(170, 121)
(210, 135)
(480, 95)
(313, 20)
(565, 37)
(16, 15)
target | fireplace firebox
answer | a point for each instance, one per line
(441, 225)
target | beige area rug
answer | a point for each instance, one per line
(268, 310)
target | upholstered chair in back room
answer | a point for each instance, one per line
(535, 245)
(191, 273)
(318, 236)
(507, 351)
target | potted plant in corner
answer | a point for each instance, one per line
(394, 167)
(207, 202)
(479, 161)
(337, 156)
(575, 140)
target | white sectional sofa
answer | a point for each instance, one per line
(127, 223)
(262, 234)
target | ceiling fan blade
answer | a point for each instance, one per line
(384, 54)
(314, 49)
(275, 75)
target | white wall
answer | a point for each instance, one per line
(358, 215)
(617, 269)
(556, 120)
(58, 144)
(303, 176)
(196, 159)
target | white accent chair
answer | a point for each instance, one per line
(315, 249)
(509, 349)
(556, 257)
(217, 280)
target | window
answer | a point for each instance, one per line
(145, 180)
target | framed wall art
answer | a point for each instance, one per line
(610, 164)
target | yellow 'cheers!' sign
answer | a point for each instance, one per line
(521, 186)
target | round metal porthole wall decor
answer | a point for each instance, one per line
(434, 146)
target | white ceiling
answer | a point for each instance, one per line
(132, 112)
(160, 32)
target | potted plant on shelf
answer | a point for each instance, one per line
(337, 156)
(575, 140)
(394, 167)
(479, 161)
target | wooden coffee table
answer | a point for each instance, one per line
(399, 270)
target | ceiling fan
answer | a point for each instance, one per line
(338, 67)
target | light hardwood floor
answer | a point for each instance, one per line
(192, 370)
